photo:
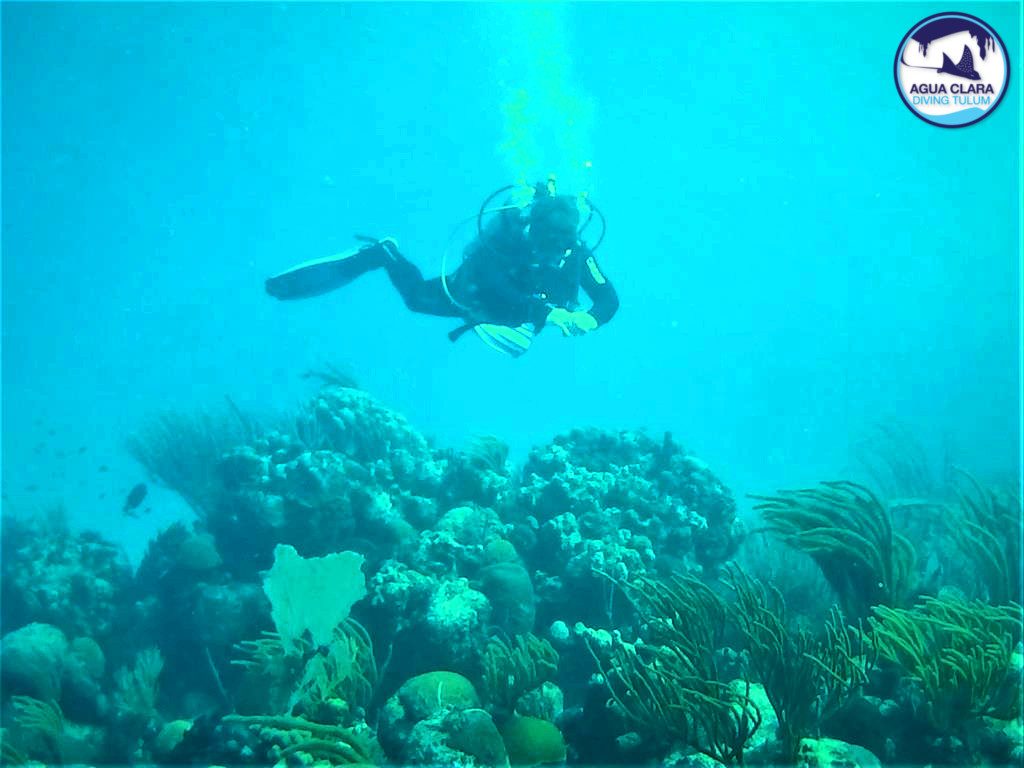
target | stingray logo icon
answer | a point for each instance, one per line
(951, 70)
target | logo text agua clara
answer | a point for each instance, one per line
(951, 70)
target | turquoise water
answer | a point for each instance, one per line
(797, 255)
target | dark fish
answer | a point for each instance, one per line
(104, 467)
(134, 498)
(82, 449)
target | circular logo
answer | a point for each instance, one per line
(951, 69)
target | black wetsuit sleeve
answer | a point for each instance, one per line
(599, 288)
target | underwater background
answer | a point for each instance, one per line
(815, 286)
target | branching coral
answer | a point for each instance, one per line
(849, 533)
(805, 678)
(183, 451)
(342, 674)
(665, 694)
(896, 462)
(345, 671)
(682, 609)
(988, 531)
(670, 685)
(34, 714)
(512, 669)
(40, 718)
(318, 742)
(959, 652)
(137, 687)
(10, 754)
(270, 675)
(487, 452)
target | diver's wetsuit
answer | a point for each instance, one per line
(501, 283)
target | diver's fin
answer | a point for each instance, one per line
(319, 276)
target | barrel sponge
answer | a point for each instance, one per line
(314, 594)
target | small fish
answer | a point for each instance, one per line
(134, 498)
(82, 449)
(104, 468)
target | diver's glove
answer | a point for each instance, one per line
(585, 322)
(571, 323)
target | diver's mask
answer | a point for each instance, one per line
(552, 228)
(550, 247)
(552, 220)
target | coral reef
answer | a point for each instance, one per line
(74, 581)
(351, 594)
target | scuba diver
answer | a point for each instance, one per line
(522, 271)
